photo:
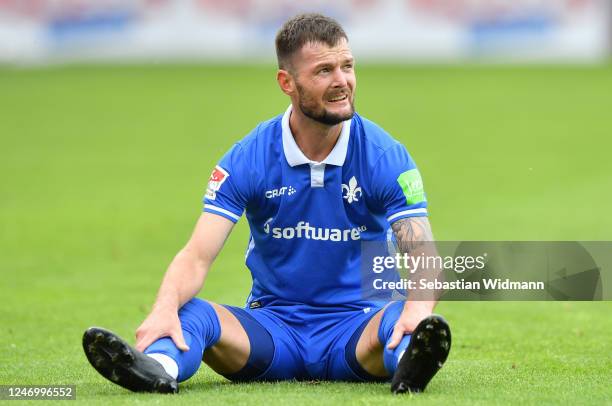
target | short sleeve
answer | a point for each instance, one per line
(228, 187)
(398, 186)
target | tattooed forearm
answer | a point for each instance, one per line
(414, 238)
(412, 233)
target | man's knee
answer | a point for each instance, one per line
(368, 349)
(200, 318)
(368, 341)
(230, 344)
(246, 348)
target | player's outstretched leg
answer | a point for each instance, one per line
(122, 364)
(428, 349)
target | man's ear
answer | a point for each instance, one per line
(285, 81)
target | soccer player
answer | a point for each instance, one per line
(315, 182)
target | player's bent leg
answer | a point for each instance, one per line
(162, 363)
(391, 357)
(201, 328)
(367, 349)
(417, 358)
(366, 352)
(354, 351)
(229, 339)
(275, 353)
(231, 353)
(234, 343)
(243, 331)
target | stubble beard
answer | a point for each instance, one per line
(319, 114)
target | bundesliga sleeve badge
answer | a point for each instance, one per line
(217, 177)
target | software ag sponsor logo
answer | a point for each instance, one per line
(303, 229)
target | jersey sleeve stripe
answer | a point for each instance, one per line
(406, 213)
(219, 210)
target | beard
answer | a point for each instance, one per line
(311, 109)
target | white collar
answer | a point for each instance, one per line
(294, 154)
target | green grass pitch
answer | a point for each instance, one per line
(103, 169)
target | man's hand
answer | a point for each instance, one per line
(160, 323)
(411, 316)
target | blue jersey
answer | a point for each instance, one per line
(308, 219)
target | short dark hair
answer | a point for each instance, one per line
(303, 29)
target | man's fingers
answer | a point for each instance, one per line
(396, 337)
(144, 341)
(179, 340)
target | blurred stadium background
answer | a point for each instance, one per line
(42, 31)
(113, 113)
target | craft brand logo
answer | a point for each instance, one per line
(288, 190)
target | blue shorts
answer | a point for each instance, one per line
(308, 342)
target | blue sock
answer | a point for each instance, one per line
(385, 331)
(201, 330)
